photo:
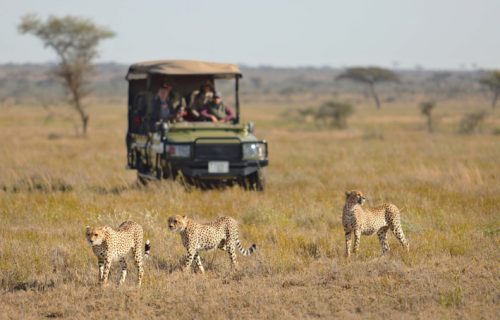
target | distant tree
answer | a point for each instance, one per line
(75, 42)
(492, 81)
(334, 114)
(426, 109)
(436, 85)
(370, 76)
(257, 82)
(471, 122)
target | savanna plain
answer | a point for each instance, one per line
(447, 185)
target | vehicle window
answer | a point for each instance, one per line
(138, 113)
(226, 88)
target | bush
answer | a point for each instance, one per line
(426, 108)
(471, 122)
(334, 114)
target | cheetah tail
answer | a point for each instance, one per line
(147, 248)
(246, 252)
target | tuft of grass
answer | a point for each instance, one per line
(492, 232)
(453, 298)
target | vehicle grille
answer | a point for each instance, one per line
(226, 151)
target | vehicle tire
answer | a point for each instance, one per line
(141, 180)
(141, 170)
(159, 174)
(255, 181)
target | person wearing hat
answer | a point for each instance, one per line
(217, 111)
(167, 105)
(199, 99)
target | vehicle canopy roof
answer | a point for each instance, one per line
(141, 70)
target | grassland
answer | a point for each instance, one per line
(53, 184)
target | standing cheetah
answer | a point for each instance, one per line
(221, 233)
(367, 221)
(109, 245)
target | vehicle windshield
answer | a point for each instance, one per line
(194, 99)
(226, 88)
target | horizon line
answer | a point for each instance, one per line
(416, 68)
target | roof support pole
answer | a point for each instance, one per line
(149, 102)
(237, 98)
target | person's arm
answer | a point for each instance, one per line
(229, 114)
(205, 112)
(181, 108)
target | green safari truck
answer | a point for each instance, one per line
(188, 146)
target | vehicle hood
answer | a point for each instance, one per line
(190, 131)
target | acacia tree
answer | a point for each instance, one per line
(75, 42)
(369, 76)
(492, 81)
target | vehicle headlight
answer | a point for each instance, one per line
(254, 150)
(178, 150)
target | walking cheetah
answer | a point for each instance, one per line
(109, 245)
(221, 233)
(367, 221)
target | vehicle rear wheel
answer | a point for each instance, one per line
(141, 179)
(142, 171)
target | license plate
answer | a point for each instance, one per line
(218, 167)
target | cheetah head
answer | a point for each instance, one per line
(177, 223)
(95, 236)
(355, 197)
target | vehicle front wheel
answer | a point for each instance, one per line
(254, 181)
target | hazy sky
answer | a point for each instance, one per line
(403, 33)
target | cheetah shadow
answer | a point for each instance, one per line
(210, 264)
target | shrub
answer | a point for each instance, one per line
(471, 122)
(334, 114)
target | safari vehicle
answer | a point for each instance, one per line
(196, 152)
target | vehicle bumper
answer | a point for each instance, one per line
(199, 169)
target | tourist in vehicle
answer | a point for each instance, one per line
(199, 99)
(167, 106)
(217, 110)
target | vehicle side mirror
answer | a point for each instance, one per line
(251, 127)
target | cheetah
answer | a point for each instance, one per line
(367, 221)
(221, 233)
(109, 245)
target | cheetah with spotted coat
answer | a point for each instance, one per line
(221, 233)
(357, 220)
(110, 245)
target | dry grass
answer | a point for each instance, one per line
(53, 184)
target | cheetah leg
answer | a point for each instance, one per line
(189, 260)
(357, 238)
(398, 232)
(123, 265)
(107, 267)
(100, 264)
(382, 237)
(222, 245)
(138, 263)
(197, 259)
(348, 241)
(231, 250)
